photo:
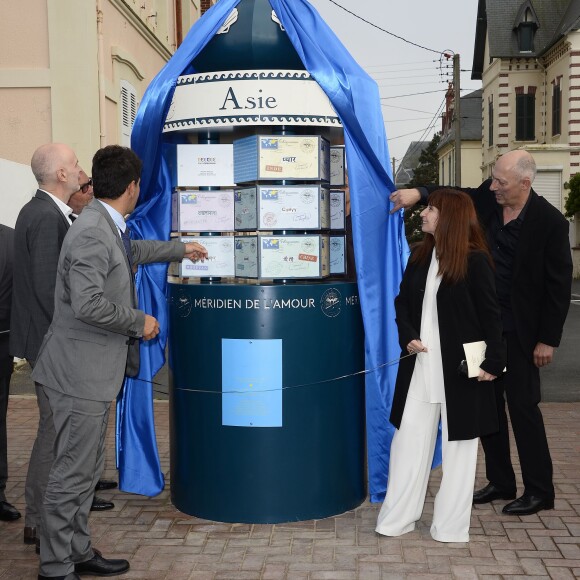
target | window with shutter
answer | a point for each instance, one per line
(556, 110)
(128, 111)
(490, 122)
(525, 117)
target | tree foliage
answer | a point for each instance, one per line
(426, 173)
(572, 205)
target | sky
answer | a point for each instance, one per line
(401, 69)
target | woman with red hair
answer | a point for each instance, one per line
(447, 298)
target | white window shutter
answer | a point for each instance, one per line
(128, 111)
(549, 185)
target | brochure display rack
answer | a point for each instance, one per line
(266, 344)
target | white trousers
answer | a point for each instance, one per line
(411, 458)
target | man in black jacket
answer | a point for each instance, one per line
(528, 239)
(8, 512)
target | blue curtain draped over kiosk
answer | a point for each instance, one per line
(379, 241)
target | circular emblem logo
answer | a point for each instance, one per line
(331, 303)
(183, 305)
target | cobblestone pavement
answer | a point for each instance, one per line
(162, 543)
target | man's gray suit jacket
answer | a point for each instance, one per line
(38, 235)
(84, 353)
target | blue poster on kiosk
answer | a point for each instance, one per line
(252, 382)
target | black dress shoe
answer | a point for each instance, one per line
(99, 566)
(527, 505)
(490, 493)
(29, 535)
(103, 484)
(100, 505)
(8, 513)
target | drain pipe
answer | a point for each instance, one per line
(101, 76)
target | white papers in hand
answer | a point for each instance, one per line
(474, 356)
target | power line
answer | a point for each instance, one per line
(424, 93)
(414, 94)
(430, 126)
(412, 84)
(413, 119)
(397, 64)
(383, 30)
(406, 109)
(405, 135)
(395, 72)
(436, 75)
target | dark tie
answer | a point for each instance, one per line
(72, 217)
(127, 243)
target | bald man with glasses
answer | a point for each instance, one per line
(39, 232)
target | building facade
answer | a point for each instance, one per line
(527, 55)
(470, 111)
(74, 71)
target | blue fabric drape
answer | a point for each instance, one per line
(379, 241)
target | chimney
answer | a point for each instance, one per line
(205, 6)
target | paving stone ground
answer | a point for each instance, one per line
(162, 543)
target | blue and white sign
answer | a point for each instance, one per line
(252, 382)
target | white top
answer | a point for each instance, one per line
(427, 381)
(64, 208)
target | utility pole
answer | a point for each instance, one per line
(393, 162)
(457, 119)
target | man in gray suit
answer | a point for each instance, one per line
(92, 343)
(40, 230)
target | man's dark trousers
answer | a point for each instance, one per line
(521, 386)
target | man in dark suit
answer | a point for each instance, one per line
(40, 230)
(8, 512)
(528, 239)
(93, 341)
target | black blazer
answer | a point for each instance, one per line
(542, 278)
(6, 253)
(467, 312)
(38, 236)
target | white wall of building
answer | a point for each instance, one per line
(18, 186)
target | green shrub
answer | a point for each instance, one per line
(572, 205)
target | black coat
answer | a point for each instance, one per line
(6, 253)
(467, 312)
(542, 277)
(38, 235)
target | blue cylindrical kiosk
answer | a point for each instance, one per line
(267, 408)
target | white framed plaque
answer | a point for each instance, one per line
(245, 209)
(337, 209)
(337, 165)
(203, 211)
(290, 157)
(246, 256)
(219, 262)
(337, 255)
(294, 207)
(283, 257)
(286, 257)
(205, 165)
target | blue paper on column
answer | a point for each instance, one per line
(252, 382)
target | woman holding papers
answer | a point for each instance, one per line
(447, 299)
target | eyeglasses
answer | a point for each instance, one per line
(85, 187)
